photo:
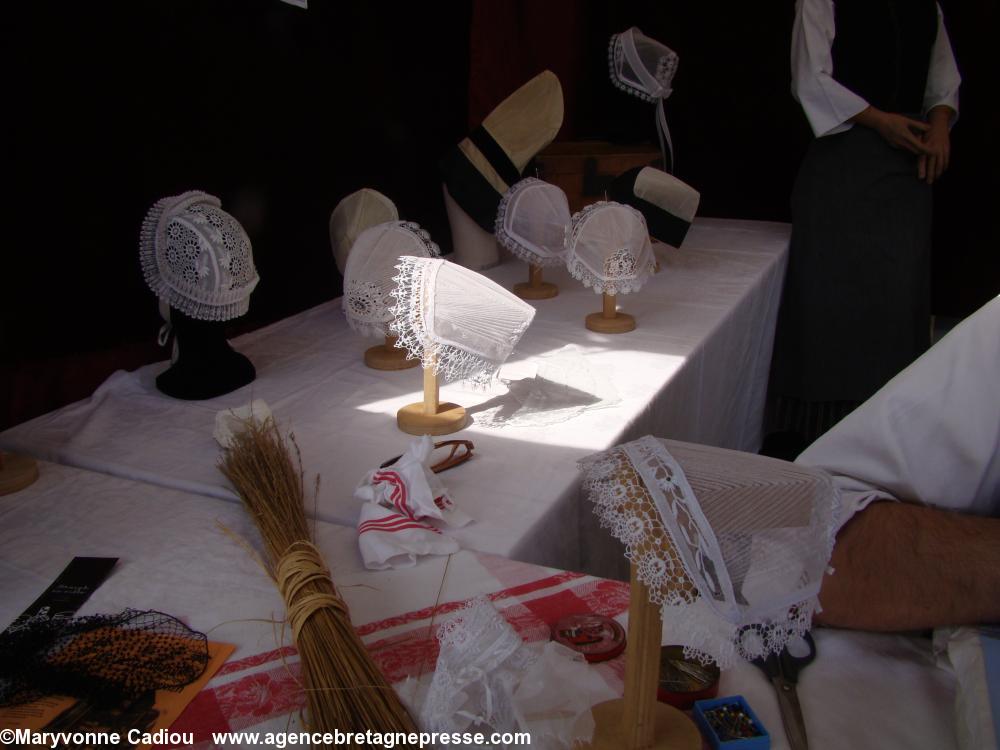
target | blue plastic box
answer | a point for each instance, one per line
(761, 741)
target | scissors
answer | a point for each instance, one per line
(783, 668)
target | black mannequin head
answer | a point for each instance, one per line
(205, 365)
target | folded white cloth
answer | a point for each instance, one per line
(395, 499)
(388, 539)
(230, 421)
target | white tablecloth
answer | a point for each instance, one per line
(695, 369)
(863, 691)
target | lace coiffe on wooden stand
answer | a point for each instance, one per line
(729, 544)
(645, 68)
(531, 224)
(354, 214)
(369, 282)
(608, 249)
(460, 325)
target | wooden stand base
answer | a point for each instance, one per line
(621, 323)
(534, 287)
(544, 290)
(414, 419)
(383, 357)
(16, 472)
(672, 730)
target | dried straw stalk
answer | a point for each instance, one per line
(344, 688)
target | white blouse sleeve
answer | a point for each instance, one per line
(828, 105)
(943, 78)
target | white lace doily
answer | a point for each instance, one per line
(748, 552)
(608, 248)
(456, 321)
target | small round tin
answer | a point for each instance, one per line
(684, 681)
(597, 637)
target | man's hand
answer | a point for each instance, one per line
(934, 162)
(898, 131)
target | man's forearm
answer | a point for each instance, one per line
(899, 566)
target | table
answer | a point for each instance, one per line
(863, 691)
(695, 369)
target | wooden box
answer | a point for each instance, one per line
(584, 169)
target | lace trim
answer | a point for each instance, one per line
(520, 251)
(408, 325)
(622, 272)
(641, 495)
(479, 664)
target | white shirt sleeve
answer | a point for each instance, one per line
(943, 78)
(828, 104)
(931, 435)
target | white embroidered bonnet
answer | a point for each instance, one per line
(729, 544)
(608, 248)
(532, 220)
(196, 257)
(645, 68)
(371, 266)
(455, 320)
(354, 214)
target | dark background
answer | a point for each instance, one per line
(282, 111)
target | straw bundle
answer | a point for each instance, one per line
(343, 686)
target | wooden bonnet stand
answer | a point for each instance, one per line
(430, 416)
(16, 472)
(639, 721)
(535, 288)
(387, 357)
(609, 320)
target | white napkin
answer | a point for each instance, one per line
(394, 500)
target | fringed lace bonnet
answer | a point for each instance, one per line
(532, 221)
(196, 257)
(454, 320)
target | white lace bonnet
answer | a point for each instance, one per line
(729, 545)
(196, 257)
(645, 68)
(608, 248)
(354, 214)
(455, 320)
(371, 266)
(532, 220)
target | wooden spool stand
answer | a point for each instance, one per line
(430, 417)
(16, 472)
(638, 721)
(535, 288)
(609, 320)
(387, 357)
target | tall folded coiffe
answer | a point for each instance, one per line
(667, 204)
(608, 248)
(480, 169)
(729, 544)
(456, 321)
(371, 266)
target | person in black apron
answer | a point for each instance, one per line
(878, 82)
